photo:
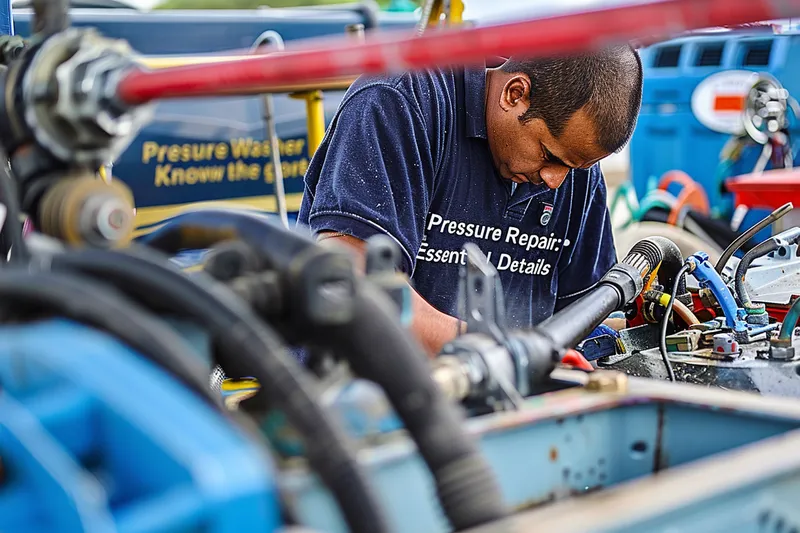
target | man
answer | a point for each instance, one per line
(504, 157)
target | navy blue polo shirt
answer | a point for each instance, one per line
(407, 156)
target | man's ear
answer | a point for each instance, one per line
(516, 93)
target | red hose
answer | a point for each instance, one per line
(398, 51)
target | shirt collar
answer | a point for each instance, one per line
(475, 101)
(475, 93)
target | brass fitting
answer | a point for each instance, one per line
(86, 211)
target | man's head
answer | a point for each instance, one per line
(547, 116)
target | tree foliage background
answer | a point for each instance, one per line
(250, 4)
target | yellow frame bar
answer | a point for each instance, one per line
(453, 17)
(315, 118)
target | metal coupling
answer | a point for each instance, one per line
(69, 97)
(86, 211)
(382, 269)
(452, 377)
(781, 352)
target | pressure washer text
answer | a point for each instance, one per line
(241, 159)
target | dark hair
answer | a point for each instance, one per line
(608, 83)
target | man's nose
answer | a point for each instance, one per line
(554, 175)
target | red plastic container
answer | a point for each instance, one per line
(769, 190)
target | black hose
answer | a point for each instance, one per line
(747, 235)
(566, 330)
(619, 286)
(83, 300)
(671, 264)
(247, 347)
(760, 250)
(378, 349)
(662, 338)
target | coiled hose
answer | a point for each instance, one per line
(246, 345)
(466, 487)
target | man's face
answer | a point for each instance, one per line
(528, 152)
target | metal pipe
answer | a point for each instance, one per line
(747, 235)
(273, 38)
(397, 51)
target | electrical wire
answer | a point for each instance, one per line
(662, 340)
(247, 346)
(84, 300)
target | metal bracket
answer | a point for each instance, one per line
(383, 262)
(482, 306)
(481, 301)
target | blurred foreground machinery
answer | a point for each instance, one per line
(108, 422)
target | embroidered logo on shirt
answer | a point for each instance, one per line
(547, 213)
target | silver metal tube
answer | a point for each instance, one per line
(273, 38)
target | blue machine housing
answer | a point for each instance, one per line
(669, 136)
(94, 438)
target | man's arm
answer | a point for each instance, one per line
(432, 328)
(374, 174)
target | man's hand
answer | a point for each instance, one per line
(432, 328)
(617, 324)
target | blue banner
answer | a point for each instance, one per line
(6, 23)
